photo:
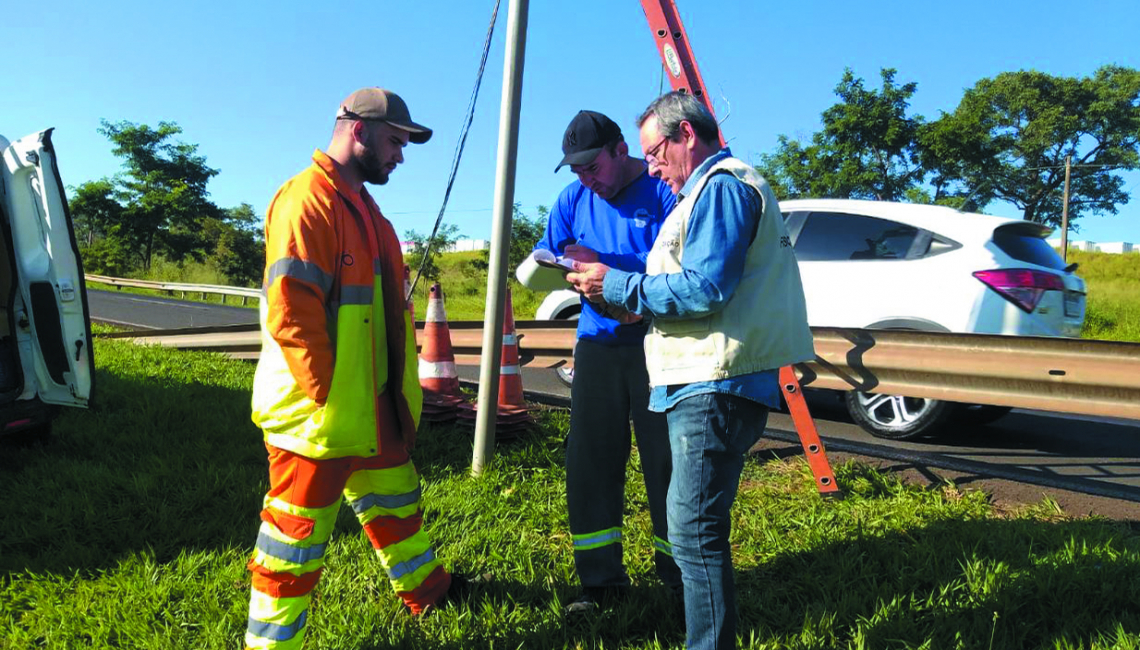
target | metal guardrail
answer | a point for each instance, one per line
(1051, 374)
(184, 288)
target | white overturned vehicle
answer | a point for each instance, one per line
(45, 337)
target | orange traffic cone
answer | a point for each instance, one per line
(438, 376)
(512, 417)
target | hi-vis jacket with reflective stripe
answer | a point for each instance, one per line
(335, 329)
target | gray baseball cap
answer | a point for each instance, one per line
(380, 105)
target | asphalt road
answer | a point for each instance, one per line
(1087, 465)
(150, 312)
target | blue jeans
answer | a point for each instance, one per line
(710, 435)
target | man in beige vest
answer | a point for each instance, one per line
(723, 293)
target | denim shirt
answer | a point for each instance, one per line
(721, 228)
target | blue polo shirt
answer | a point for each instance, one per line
(621, 229)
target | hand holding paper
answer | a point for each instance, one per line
(542, 271)
(587, 279)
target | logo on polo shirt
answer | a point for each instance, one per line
(641, 218)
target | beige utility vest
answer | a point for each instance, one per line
(764, 324)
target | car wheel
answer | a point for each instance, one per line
(896, 417)
(564, 374)
(980, 414)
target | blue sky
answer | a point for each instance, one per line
(256, 84)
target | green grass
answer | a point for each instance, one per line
(465, 289)
(1113, 311)
(130, 528)
(215, 298)
(464, 286)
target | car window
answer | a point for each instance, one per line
(840, 236)
(1027, 248)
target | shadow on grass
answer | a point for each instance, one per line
(167, 461)
(163, 466)
(155, 466)
(969, 584)
(975, 583)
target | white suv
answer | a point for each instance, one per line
(881, 265)
(45, 336)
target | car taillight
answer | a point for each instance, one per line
(1022, 287)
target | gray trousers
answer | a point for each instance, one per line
(611, 387)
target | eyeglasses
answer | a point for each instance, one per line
(651, 155)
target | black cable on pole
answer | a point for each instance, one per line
(458, 148)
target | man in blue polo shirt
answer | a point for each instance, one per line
(611, 214)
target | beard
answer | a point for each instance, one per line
(373, 171)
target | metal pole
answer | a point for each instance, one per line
(500, 237)
(1065, 213)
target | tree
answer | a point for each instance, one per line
(108, 255)
(444, 239)
(94, 210)
(867, 149)
(525, 233)
(235, 242)
(162, 189)
(1009, 136)
(240, 256)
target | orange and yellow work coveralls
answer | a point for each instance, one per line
(338, 398)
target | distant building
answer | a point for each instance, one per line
(462, 245)
(1118, 247)
(1115, 247)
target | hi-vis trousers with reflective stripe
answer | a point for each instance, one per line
(610, 382)
(297, 521)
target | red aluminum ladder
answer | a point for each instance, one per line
(681, 66)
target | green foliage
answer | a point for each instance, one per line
(159, 207)
(131, 527)
(238, 244)
(866, 150)
(463, 277)
(1007, 140)
(94, 211)
(108, 255)
(525, 233)
(1010, 135)
(442, 242)
(162, 189)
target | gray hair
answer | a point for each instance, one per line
(673, 108)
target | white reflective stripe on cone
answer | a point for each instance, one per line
(510, 339)
(435, 312)
(437, 369)
(509, 370)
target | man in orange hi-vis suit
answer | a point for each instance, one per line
(337, 391)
